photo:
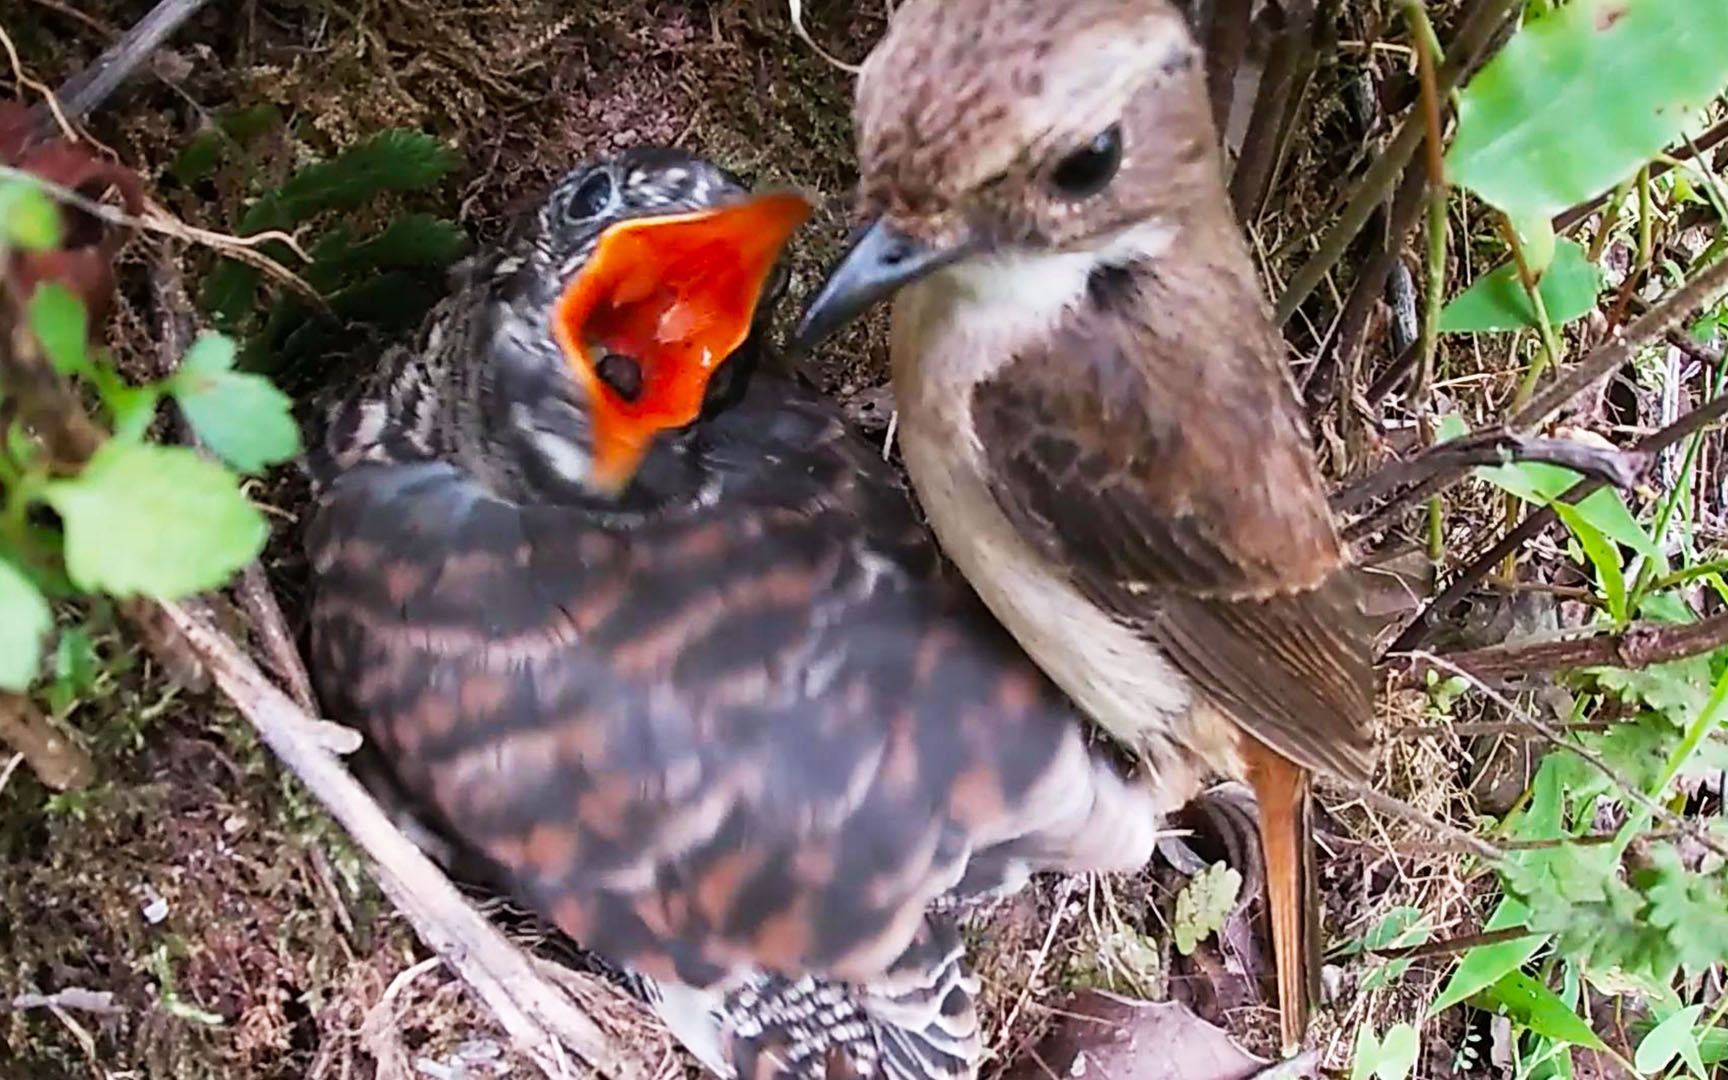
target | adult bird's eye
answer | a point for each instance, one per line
(590, 198)
(1089, 170)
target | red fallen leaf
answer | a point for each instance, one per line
(1100, 1036)
(85, 261)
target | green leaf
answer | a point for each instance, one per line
(1538, 1008)
(157, 521)
(1603, 555)
(1541, 483)
(1451, 426)
(395, 160)
(1672, 1038)
(1536, 239)
(1204, 904)
(1485, 965)
(24, 619)
(29, 220)
(57, 318)
(1391, 1058)
(1582, 97)
(242, 417)
(1497, 300)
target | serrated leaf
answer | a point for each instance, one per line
(396, 160)
(1497, 300)
(1577, 100)
(29, 220)
(24, 620)
(1538, 1008)
(1673, 1038)
(154, 521)
(1204, 904)
(57, 319)
(242, 417)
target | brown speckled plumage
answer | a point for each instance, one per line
(732, 732)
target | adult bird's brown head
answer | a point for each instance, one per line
(722, 722)
(1094, 405)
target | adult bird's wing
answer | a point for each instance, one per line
(1187, 505)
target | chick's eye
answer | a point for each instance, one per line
(590, 198)
(1089, 170)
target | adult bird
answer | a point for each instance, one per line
(664, 640)
(1094, 407)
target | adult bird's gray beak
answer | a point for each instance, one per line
(880, 260)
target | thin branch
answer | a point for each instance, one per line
(1638, 646)
(82, 94)
(1668, 315)
(1424, 623)
(58, 762)
(540, 1018)
(1448, 461)
(1226, 43)
(1286, 74)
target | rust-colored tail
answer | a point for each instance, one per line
(1281, 788)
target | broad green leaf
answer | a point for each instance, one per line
(1540, 483)
(1603, 555)
(59, 323)
(1673, 1038)
(1497, 300)
(157, 521)
(1401, 928)
(242, 417)
(1538, 1008)
(1204, 904)
(1451, 426)
(1582, 97)
(28, 218)
(1485, 965)
(24, 619)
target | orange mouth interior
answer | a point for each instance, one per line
(674, 296)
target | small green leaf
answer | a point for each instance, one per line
(29, 219)
(157, 521)
(59, 323)
(1536, 239)
(1602, 554)
(1497, 300)
(1391, 1058)
(1582, 97)
(242, 417)
(1673, 1038)
(1204, 904)
(24, 619)
(1538, 1008)
(1451, 426)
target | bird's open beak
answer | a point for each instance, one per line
(671, 297)
(881, 260)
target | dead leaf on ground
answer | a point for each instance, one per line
(1101, 1036)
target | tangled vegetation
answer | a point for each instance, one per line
(1493, 231)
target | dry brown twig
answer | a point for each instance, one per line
(1638, 646)
(539, 1018)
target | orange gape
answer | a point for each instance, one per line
(676, 294)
